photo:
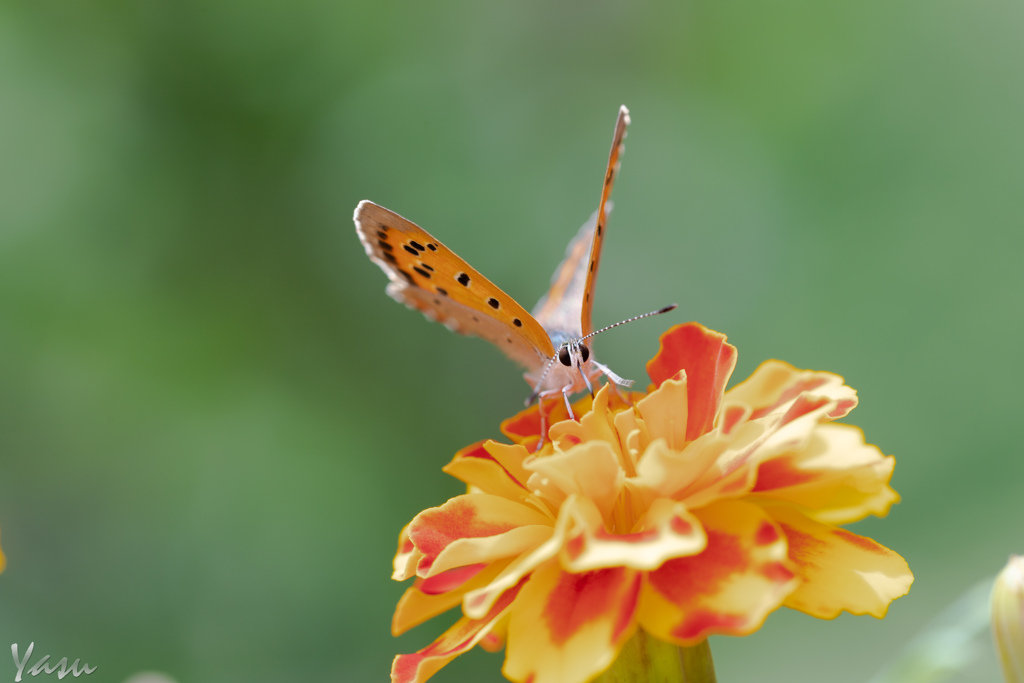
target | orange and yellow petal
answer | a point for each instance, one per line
(666, 530)
(476, 467)
(840, 570)
(729, 588)
(428, 598)
(836, 478)
(775, 384)
(407, 556)
(733, 472)
(463, 635)
(708, 362)
(476, 527)
(568, 627)
(479, 601)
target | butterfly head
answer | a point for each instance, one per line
(574, 353)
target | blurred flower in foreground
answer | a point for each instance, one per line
(1008, 618)
(685, 511)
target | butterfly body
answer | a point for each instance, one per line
(550, 342)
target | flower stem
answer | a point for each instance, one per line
(644, 659)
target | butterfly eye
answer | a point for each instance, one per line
(563, 356)
(584, 352)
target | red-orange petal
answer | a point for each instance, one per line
(567, 628)
(708, 361)
(464, 634)
(740, 577)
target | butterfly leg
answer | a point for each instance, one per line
(566, 390)
(543, 422)
(607, 371)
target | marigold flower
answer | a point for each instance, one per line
(685, 511)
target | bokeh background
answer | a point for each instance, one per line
(213, 422)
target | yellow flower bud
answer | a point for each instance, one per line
(1008, 618)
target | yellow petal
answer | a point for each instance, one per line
(590, 470)
(475, 466)
(664, 412)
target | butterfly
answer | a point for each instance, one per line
(549, 342)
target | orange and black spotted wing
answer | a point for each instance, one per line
(430, 277)
(586, 321)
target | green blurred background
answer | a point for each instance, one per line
(213, 422)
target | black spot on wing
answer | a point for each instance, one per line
(493, 303)
(408, 278)
(384, 245)
(421, 272)
(463, 279)
(427, 266)
(390, 257)
(517, 322)
(442, 291)
(381, 234)
(410, 250)
(432, 247)
(417, 246)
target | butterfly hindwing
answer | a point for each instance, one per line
(430, 277)
(586, 321)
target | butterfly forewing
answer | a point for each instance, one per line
(430, 277)
(586, 322)
(561, 309)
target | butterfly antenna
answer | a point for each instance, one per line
(670, 307)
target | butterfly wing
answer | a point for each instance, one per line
(430, 277)
(561, 309)
(586, 322)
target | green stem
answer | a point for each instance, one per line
(645, 659)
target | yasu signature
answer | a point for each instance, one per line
(41, 666)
